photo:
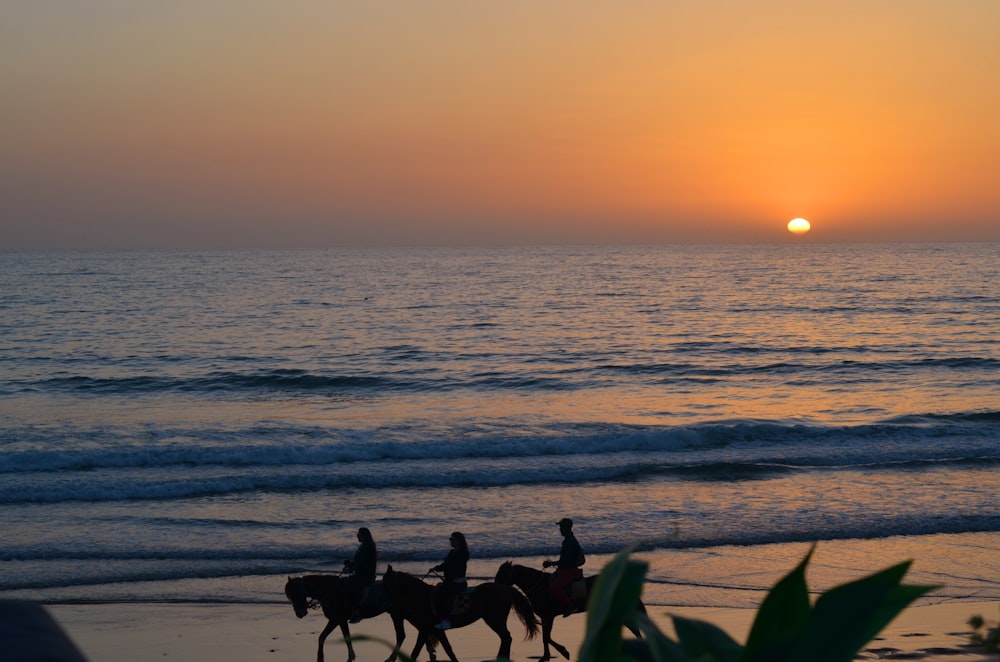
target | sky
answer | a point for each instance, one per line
(133, 124)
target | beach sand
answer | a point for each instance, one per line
(138, 632)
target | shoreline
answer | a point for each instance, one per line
(206, 620)
(207, 632)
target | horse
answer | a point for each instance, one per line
(327, 591)
(536, 585)
(492, 602)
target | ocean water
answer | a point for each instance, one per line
(197, 425)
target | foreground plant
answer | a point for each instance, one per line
(786, 628)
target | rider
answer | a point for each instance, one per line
(454, 581)
(568, 566)
(362, 572)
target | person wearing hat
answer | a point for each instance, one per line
(571, 559)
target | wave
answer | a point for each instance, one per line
(272, 380)
(407, 373)
(960, 417)
(86, 568)
(289, 459)
(278, 445)
(91, 487)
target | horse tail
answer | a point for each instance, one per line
(525, 613)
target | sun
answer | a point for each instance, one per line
(798, 226)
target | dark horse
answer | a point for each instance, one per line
(328, 592)
(536, 585)
(491, 602)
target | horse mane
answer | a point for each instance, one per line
(325, 579)
(324, 575)
(535, 572)
(313, 583)
(407, 577)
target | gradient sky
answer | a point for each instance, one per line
(311, 123)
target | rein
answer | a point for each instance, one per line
(542, 579)
(311, 602)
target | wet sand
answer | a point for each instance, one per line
(271, 633)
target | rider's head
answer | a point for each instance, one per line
(364, 535)
(565, 525)
(458, 540)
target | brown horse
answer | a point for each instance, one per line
(327, 591)
(537, 586)
(491, 602)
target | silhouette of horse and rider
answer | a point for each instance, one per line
(563, 592)
(433, 609)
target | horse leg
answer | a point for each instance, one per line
(422, 640)
(322, 639)
(547, 639)
(397, 624)
(345, 632)
(560, 648)
(419, 646)
(446, 645)
(431, 653)
(500, 627)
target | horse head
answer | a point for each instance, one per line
(503, 574)
(401, 585)
(295, 590)
(390, 580)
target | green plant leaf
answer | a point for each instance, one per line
(700, 638)
(654, 646)
(849, 616)
(636, 650)
(782, 617)
(786, 629)
(616, 593)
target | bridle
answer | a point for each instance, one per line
(311, 602)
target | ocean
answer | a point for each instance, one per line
(195, 426)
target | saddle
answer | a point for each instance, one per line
(374, 597)
(460, 602)
(577, 589)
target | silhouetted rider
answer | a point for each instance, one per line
(362, 570)
(571, 559)
(454, 581)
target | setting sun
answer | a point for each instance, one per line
(799, 226)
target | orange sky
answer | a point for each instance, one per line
(315, 123)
